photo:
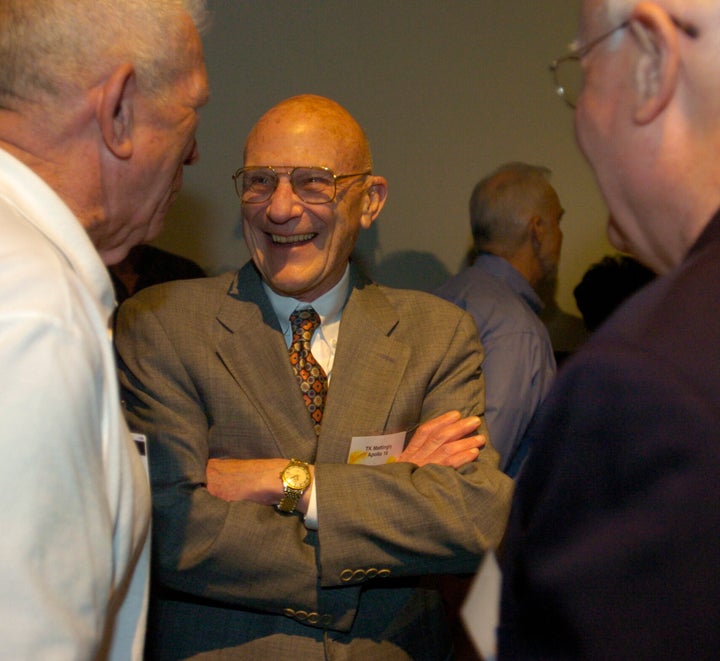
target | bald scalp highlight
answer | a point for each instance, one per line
(323, 114)
(54, 48)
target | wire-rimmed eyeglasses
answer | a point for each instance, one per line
(314, 185)
(567, 70)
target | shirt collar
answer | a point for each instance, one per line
(329, 306)
(503, 270)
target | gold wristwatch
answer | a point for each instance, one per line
(295, 479)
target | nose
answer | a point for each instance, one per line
(283, 204)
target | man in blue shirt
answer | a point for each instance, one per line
(515, 216)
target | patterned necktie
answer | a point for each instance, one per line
(308, 372)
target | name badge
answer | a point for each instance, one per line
(376, 450)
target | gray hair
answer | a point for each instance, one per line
(502, 203)
(50, 47)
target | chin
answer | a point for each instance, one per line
(291, 289)
(286, 278)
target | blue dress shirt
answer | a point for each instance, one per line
(519, 364)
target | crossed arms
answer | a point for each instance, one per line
(446, 441)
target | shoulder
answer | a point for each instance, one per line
(411, 316)
(193, 293)
(51, 323)
(37, 277)
(177, 302)
(675, 319)
(495, 306)
(474, 286)
(414, 304)
(463, 284)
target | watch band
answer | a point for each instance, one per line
(289, 501)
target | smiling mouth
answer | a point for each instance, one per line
(295, 238)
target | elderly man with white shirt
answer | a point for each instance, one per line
(96, 125)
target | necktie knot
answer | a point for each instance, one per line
(304, 323)
(308, 372)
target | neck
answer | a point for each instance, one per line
(526, 264)
(60, 155)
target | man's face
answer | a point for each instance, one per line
(163, 143)
(302, 249)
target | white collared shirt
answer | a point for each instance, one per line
(74, 552)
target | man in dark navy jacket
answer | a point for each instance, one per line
(613, 549)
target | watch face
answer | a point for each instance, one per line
(296, 477)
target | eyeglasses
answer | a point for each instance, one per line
(314, 185)
(567, 71)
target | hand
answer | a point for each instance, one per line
(444, 440)
(257, 480)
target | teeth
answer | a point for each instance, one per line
(296, 238)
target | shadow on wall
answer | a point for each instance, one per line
(405, 269)
(409, 269)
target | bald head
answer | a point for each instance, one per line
(314, 127)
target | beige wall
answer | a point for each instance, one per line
(446, 89)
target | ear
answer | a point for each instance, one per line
(536, 231)
(374, 201)
(115, 110)
(658, 62)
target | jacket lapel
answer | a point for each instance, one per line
(254, 352)
(368, 370)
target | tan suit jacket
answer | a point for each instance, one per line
(205, 373)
